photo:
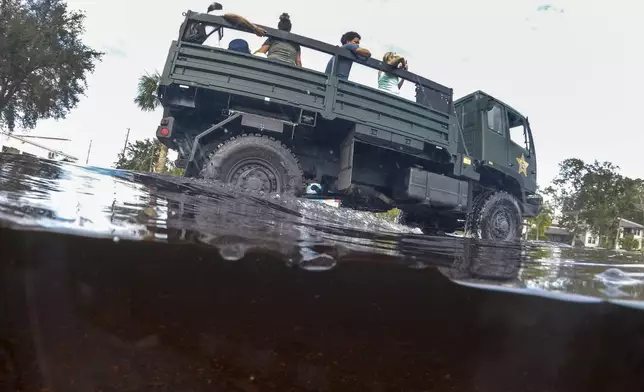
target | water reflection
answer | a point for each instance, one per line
(89, 201)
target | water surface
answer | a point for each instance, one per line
(98, 202)
(120, 281)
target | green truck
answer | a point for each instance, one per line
(269, 127)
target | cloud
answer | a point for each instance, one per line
(549, 7)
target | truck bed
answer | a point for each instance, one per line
(380, 113)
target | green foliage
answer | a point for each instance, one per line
(140, 156)
(146, 92)
(629, 243)
(595, 196)
(175, 171)
(540, 223)
(147, 100)
(391, 215)
(607, 242)
(44, 63)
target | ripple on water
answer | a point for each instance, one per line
(316, 262)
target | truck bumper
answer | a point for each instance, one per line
(434, 189)
(533, 206)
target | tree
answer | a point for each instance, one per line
(633, 199)
(147, 100)
(594, 197)
(44, 63)
(541, 222)
(629, 243)
(146, 92)
(564, 192)
(140, 156)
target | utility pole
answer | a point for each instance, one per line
(127, 136)
(154, 147)
(88, 150)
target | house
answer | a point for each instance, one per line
(555, 233)
(636, 230)
(25, 144)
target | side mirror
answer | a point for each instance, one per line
(485, 104)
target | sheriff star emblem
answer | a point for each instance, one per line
(523, 165)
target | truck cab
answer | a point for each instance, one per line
(501, 138)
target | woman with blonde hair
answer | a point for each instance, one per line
(390, 82)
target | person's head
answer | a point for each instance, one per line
(215, 7)
(350, 38)
(239, 45)
(285, 22)
(388, 57)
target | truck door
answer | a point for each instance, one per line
(495, 150)
(522, 157)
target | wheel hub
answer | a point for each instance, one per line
(255, 176)
(500, 225)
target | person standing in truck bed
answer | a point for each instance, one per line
(280, 50)
(351, 41)
(390, 82)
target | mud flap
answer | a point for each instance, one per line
(346, 163)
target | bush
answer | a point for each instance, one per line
(629, 243)
(391, 215)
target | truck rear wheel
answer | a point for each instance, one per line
(495, 216)
(255, 163)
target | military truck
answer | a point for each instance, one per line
(269, 127)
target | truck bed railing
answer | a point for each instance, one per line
(380, 114)
(218, 21)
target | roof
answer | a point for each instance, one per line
(470, 95)
(629, 224)
(41, 146)
(554, 230)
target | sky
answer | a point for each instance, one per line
(574, 67)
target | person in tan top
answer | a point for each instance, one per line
(280, 50)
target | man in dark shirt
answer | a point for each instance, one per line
(351, 41)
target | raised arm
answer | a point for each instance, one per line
(356, 50)
(264, 48)
(298, 60)
(240, 20)
(363, 52)
(406, 68)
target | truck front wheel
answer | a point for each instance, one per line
(255, 163)
(495, 216)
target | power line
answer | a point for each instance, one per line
(44, 137)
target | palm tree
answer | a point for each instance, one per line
(147, 100)
(541, 222)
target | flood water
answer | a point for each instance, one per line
(120, 281)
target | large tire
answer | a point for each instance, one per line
(495, 216)
(255, 163)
